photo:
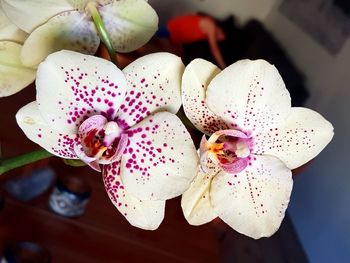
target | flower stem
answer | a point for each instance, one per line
(22, 160)
(102, 31)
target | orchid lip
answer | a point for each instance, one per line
(101, 141)
(228, 149)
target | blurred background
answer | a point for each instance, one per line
(312, 36)
(308, 41)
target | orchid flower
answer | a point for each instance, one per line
(54, 25)
(13, 75)
(121, 121)
(254, 140)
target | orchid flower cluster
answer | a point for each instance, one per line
(123, 123)
(30, 30)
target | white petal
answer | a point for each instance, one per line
(299, 139)
(130, 23)
(29, 14)
(160, 160)
(8, 31)
(154, 83)
(250, 95)
(195, 81)
(195, 201)
(69, 30)
(72, 87)
(254, 201)
(140, 213)
(13, 75)
(35, 128)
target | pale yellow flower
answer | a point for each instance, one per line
(13, 75)
(55, 25)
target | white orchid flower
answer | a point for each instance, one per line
(255, 139)
(123, 121)
(66, 24)
(13, 75)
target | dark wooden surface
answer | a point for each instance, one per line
(103, 235)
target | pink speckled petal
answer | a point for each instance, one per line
(195, 201)
(69, 30)
(13, 75)
(29, 14)
(299, 139)
(250, 95)
(253, 202)
(130, 24)
(160, 161)
(72, 87)
(195, 81)
(154, 83)
(35, 128)
(140, 213)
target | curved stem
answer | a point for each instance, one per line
(102, 31)
(22, 160)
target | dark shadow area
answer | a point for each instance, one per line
(282, 247)
(253, 41)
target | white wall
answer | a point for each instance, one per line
(320, 206)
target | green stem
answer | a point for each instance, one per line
(22, 160)
(102, 31)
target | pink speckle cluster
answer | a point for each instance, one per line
(93, 95)
(200, 115)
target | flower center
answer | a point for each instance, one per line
(101, 141)
(225, 149)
